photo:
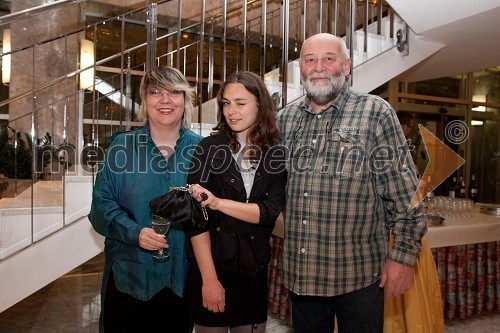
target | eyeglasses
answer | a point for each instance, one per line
(157, 93)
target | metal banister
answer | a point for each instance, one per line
(219, 21)
(27, 13)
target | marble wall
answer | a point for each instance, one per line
(35, 67)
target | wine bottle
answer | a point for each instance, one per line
(473, 189)
(453, 188)
(462, 190)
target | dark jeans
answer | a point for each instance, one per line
(360, 311)
(165, 312)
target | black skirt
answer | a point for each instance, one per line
(246, 299)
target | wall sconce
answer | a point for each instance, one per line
(86, 60)
(7, 47)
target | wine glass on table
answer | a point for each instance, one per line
(160, 225)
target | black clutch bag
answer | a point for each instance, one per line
(179, 205)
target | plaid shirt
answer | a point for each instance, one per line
(351, 181)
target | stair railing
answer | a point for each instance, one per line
(217, 44)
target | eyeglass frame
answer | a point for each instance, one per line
(158, 93)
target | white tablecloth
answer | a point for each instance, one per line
(479, 228)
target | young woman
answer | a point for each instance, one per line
(240, 176)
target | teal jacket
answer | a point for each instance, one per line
(134, 172)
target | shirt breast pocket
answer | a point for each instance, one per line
(344, 156)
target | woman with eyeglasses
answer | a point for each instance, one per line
(138, 293)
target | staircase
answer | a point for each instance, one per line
(42, 210)
(44, 231)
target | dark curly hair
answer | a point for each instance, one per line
(264, 134)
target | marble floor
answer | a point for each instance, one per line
(71, 305)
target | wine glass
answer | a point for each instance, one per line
(161, 225)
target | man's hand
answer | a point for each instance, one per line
(396, 278)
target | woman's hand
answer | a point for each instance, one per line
(150, 240)
(213, 296)
(205, 197)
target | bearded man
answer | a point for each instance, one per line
(351, 184)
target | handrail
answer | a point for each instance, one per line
(94, 104)
(102, 61)
(77, 72)
(131, 49)
(97, 63)
(74, 73)
(27, 13)
(75, 31)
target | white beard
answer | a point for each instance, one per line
(321, 93)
